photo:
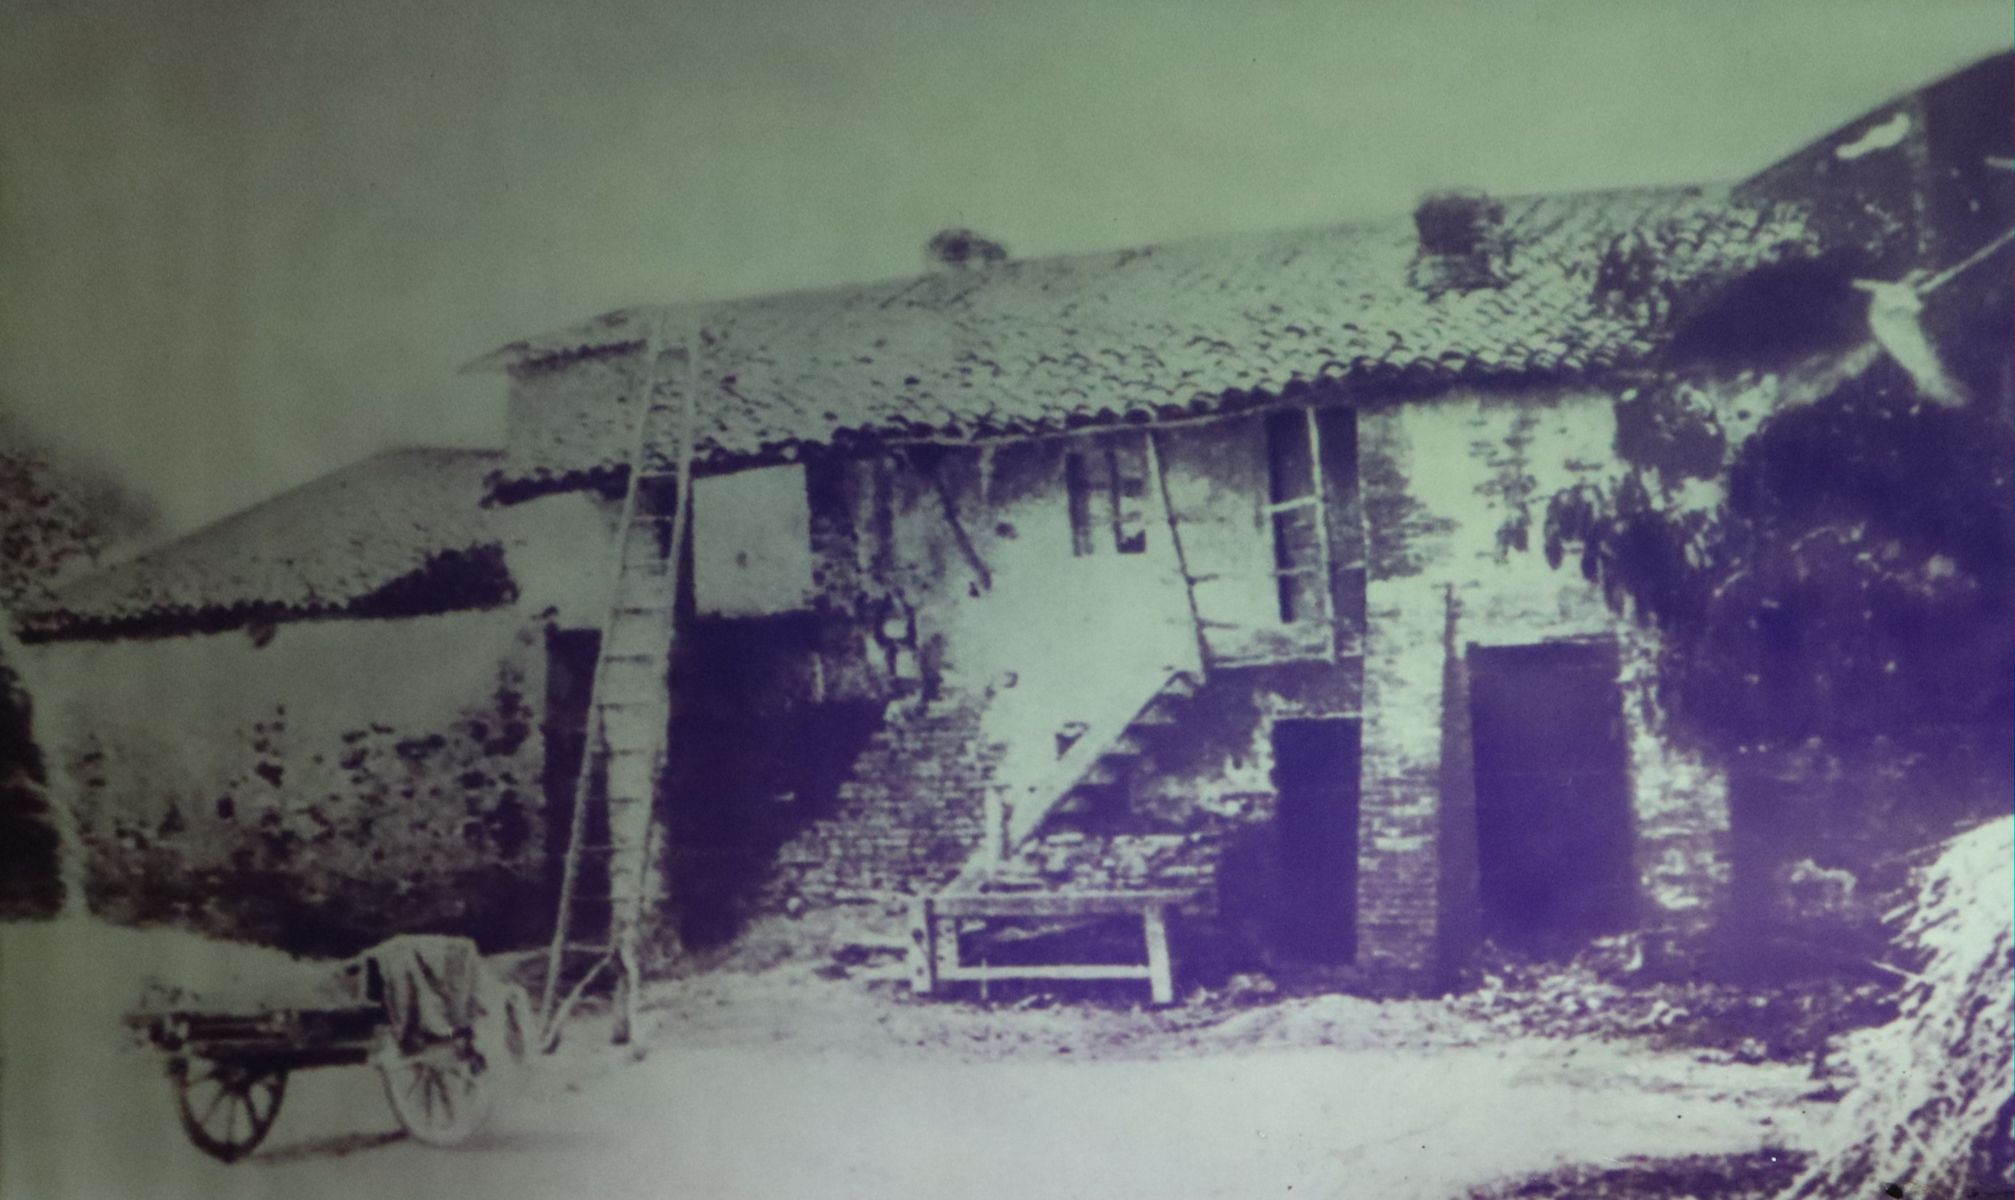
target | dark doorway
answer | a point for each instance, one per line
(570, 681)
(1315, 772)
(1553, 825)
(747, 783)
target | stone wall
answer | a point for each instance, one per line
(344, 781)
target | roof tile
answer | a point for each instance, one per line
(1064, 342)
(406, 524)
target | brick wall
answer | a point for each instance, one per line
(1680, 802)
(1183, 860)
(1398, 864)
(907, 817)
(1197, 813)
(1455, 489)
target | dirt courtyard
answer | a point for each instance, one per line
(809, 1074)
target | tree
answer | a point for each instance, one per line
(1855, 589)
(55, 518)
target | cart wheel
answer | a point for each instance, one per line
(441, 1094)
(227, 1108)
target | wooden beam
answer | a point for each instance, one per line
(923, 947)
(1052, 904)
(965, 974)
(1161, 980)
(959, 535)
(1321, 485)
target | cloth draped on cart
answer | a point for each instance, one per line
(435, 987)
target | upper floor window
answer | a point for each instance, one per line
(1106, 482)
(1294, 506)
(752, 551)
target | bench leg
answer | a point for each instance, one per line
(923, 947)
(1160, 981)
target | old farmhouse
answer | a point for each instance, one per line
(1216, 570)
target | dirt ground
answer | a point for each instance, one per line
(797, 1065)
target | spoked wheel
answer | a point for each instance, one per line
(441, 1094)
(227, 1108)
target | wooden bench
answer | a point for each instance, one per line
(934, 943)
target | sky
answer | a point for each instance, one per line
(243, 242)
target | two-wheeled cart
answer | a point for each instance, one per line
(229, 1069)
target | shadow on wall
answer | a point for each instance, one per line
(750, 784)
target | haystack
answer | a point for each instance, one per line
(1931, 1112)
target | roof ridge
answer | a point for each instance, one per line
(618, 321)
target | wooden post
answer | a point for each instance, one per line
(1175, 543)
(996, 841)
(629, 981)
(923, 947)
(1160, 979)
(1321, 485)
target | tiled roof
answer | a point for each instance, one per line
(1586, 282)
(400, 533)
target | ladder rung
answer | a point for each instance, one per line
(644, 670)
(642, 610)
(627, 656)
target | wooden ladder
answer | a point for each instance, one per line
(629, 710)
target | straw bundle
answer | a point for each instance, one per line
(1931, 1113)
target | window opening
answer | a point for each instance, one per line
(1126, 466)
(1294, 507)
(1106, 485)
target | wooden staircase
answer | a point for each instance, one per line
(1095, 762)
(1099, 755)
(629, 719)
